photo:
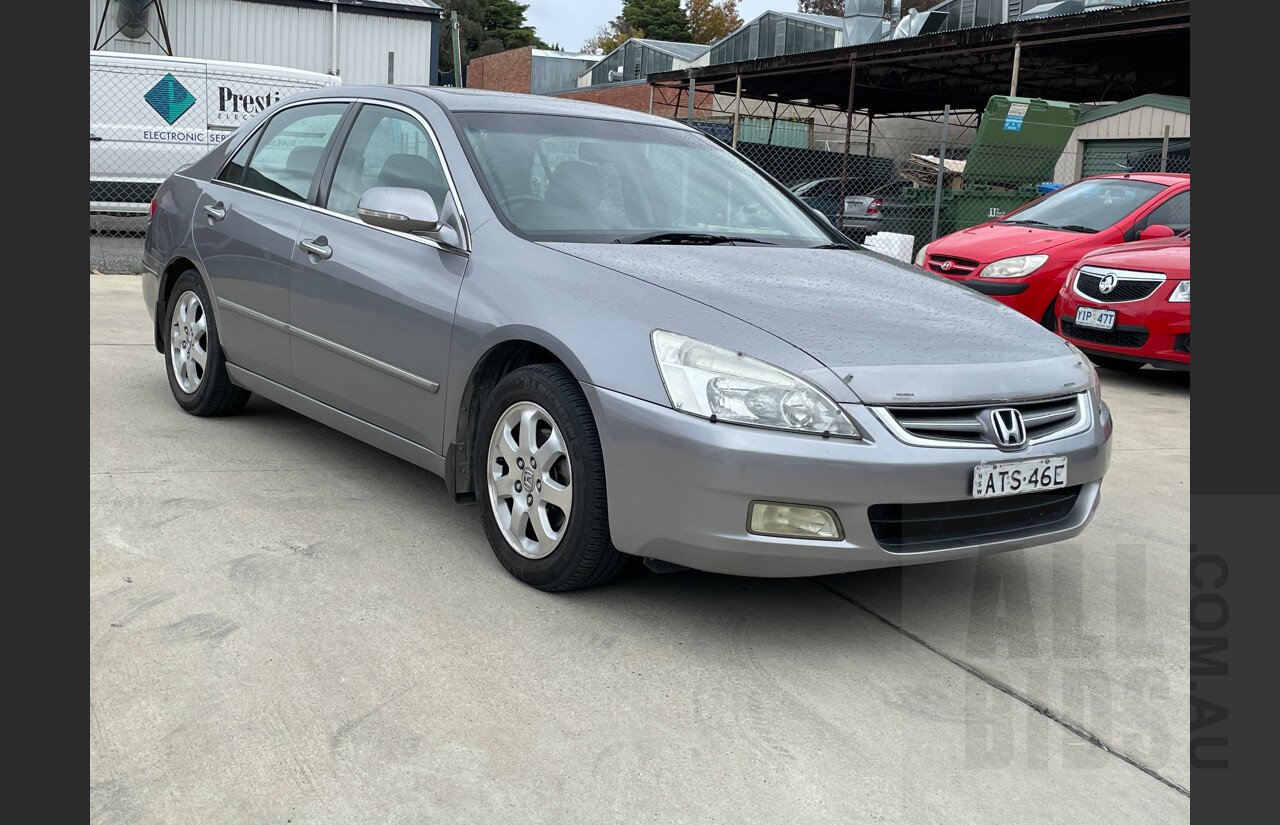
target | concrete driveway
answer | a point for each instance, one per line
(287, 625)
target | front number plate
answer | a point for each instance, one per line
(1030, 475)
(1095, 318)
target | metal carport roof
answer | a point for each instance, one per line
(1110, 54)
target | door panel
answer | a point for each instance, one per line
(372, 309)
(247, 255)
(372, 324)
(246, 227)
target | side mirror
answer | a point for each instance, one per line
(1155, 230)
(399, 208)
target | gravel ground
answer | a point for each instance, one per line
(115, 248)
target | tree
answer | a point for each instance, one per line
(504, 21)
(710, 21)
(658, 19)
(611, 35)
(831, 8)
(485, 27)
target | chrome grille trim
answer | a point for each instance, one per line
(1088, 290)
(1046, 419)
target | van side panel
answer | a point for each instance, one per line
(151, 115)
(148, 119)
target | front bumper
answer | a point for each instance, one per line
(1151, 331)
(679, 488)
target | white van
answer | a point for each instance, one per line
(149, 115)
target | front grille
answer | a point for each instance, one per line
(914, 528)
(959, 266)
(965, 424)
(1121, 335)
(1182, 343)
(1127, 287)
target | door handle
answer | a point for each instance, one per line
(215, 212)
(318, 247)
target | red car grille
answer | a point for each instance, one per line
(1123, 289)
(1123, 335)
(949, 266)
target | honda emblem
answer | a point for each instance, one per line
(1008, 428)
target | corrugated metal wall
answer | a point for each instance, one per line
(1134, 124)
(554, 74)
(301, 38)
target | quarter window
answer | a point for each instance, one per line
(234, 170)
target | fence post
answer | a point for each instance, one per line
(844, 159)
(942, 161)
(457, 49)
(737, 101)
(691, 98)
(1164, 149)
(1017, 58)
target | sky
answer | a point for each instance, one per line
(571, 22)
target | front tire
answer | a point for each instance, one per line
(540, 472)
(193, 356)
(1050, 319)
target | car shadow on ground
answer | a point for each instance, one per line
(1148, 378)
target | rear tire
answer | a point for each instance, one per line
(193, 356)
(539, 473)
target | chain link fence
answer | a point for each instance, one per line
(147, 118)
(900, 184)
(904, 183)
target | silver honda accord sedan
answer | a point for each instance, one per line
(616, 336)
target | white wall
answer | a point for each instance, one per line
(276, 35)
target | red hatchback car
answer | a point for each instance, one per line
(1023, 258)
(1131, 305)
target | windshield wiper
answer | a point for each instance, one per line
(689, 238)
(1026, 223)
(1075, 227)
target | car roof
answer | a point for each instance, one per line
(1166, 178)
(484, 100)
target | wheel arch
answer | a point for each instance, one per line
(500, 359)
(168, 277)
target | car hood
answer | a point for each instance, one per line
(901, 334)
(991, 241)
(1172, 256)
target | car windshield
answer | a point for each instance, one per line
(1087, 206)
(558, 178)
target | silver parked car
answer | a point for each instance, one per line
(614, 335)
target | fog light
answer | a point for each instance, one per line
(793, 521)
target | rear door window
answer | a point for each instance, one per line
(288, 152)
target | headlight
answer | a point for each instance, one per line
(1013, 267)
(922, 254)
(722, 385)
(1181, 293)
